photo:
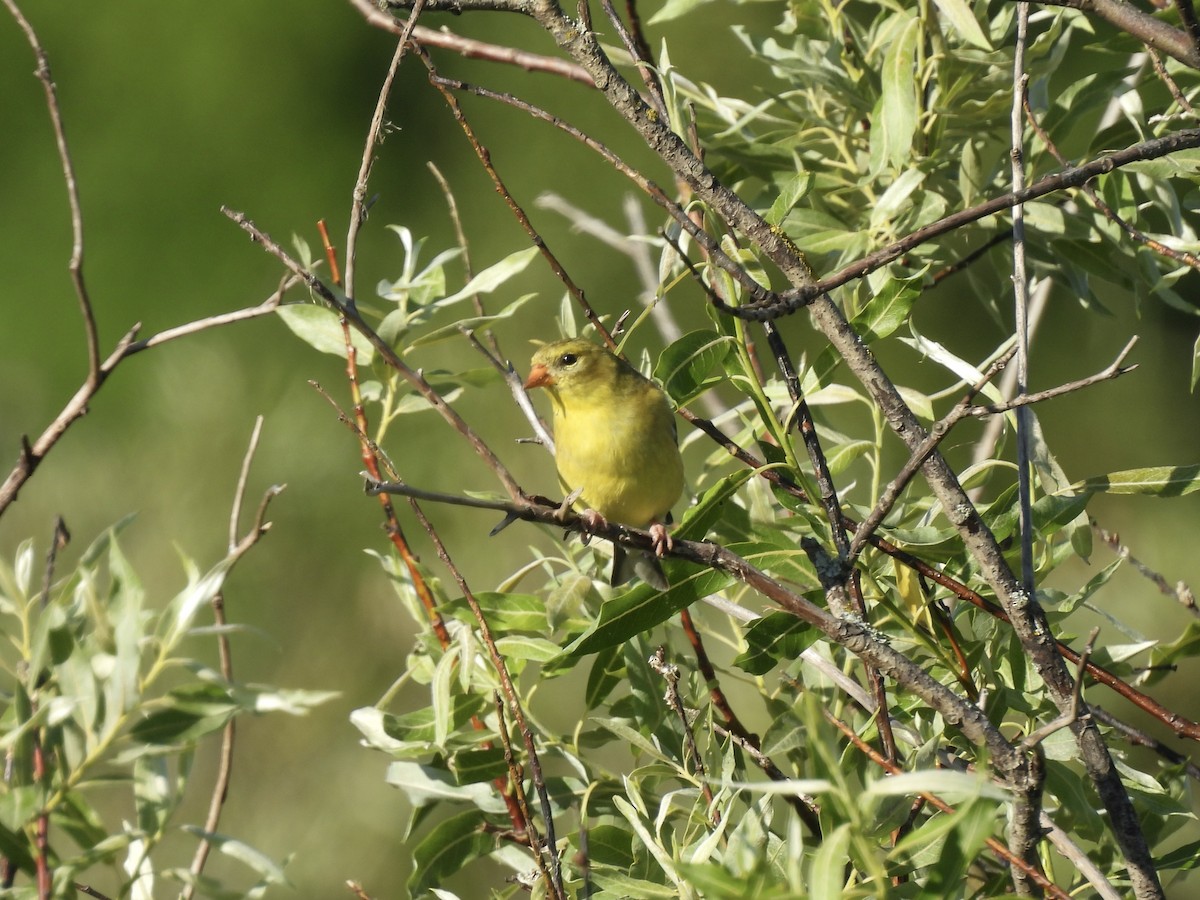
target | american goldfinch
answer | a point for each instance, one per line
(615, 444)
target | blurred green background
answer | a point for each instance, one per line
(265, 109)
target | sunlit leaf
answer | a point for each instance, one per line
(321, 329)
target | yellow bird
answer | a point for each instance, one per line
(615, 444)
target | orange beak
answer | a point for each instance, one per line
(539, 376)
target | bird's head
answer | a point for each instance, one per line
(565, 366)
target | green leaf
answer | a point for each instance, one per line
(494, 275)
(1195, 364)
(673, 9)
(256, 860)
(608, 670)
(170, 727)
(1186, 858)
(946, 783)
(789, 195)
(618, 884)
(962, 19)
(504, 612)
(610, 846)
(691, 365)
(643, 607)
(888, 309)
(470, 323)
(392, 733)
(186, 604)
(828, 874)
(522, 646)
(480, 764)
(776, 637)
(16, 850)
(321, 329)
(896, 198)
(1186, 646)
(895, 114)
(449, 847)
(426, 785)
(634, 738)
(1158, 481)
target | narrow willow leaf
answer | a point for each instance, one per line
(478, 765)
(896, 112)
(606, 674)
(321, 329)
(649, 841)
(425, 785)
(962, 19)
(172, 727)
(471, 323)
(1186, 858)
(521, 646)
(966, 372)
(618, 884)
(504, 612)
(643, 607)
(827, 877)
(1158, 481)
(187, 603)
(673, 9)
(896, 197)
(632, 737)
(493, 276)
(256, 860)
(776, 637)
(1195, 364)
(789, 195)
(946, 783)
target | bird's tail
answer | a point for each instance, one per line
(640, 563)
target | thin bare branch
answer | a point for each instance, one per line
(669, 672)
(1115, 369)
(358, 209)
(64, 154)
(31, 455)
(712, 248)
(220, 789)
(1038, 735)
(470, 48)
(1180, 591)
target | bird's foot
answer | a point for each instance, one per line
(660, 539)
(592, 521)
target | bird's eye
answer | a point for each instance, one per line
(568, 359)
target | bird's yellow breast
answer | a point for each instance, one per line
(617, 443)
